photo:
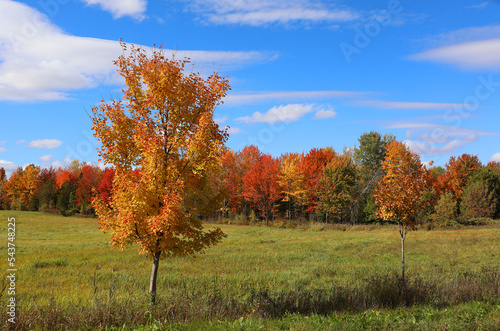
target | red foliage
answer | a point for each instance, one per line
(261, 187)
(312, 165)
(66, 175)
(236, 166)
(90, 179)
(106, 184)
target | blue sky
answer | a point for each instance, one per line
(303, 73)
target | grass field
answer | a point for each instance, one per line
(69, 277)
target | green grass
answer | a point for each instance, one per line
(299, 279)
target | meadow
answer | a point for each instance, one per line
(307, 278)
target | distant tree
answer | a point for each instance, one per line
(446, 210)
(163, 143)
(3, 180)
(399, 194)
(458, 172)
(89, 180)
(261, 185)
(45, 192)
(490, 176)
(477, 201)
(368, 156)
(291, 179)
(336, 186)
(21, 186)
(371, 151)
(312, 165)
(236, 165)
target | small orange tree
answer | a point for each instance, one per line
(163, 143)
(399, 194)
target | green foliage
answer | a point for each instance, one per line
(66, 199)
(491, 177)
(446, 210)
(477, 201)
(371, 151)
(253, 218)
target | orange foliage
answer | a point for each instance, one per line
(261, 187)
(458, 171)
(399, 193)
(312, 165)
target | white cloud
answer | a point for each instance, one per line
(233, 130)
(381, 104)
(323, 114)
(22, 141)
(435, 139)
(283, 113)
(474, 55)
(9, 167)
(3, 149)
(45, 143)
(220, 120)
(62, 163)
(495, 157)
(264, 12)
(46, 158)
(120, 8)
(256, 97)
(38, 61)
(425, 148)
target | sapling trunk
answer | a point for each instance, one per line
(402, 232)
(152, 280)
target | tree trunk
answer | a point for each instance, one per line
(402, 232)
(152, 280)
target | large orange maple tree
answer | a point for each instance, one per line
(163, 142)
(399, 193)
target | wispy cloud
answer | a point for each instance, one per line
(3, 149)
(435, 139)
(476, 55)
(283, 113)
(38, 61)
(261, 96)
(264, 12)
(45, 143)
(460, 36)
(404, 105)
(119, 8)
(481, 5)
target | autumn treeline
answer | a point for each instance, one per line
(322, 185)
(66, 190)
